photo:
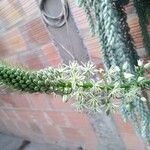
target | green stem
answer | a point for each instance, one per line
(48, 82)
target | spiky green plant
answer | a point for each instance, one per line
(117, 47)
(72, 78)
(79, 81)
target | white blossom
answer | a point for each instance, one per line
(143, 99)
(147, 66)
(125, 65)
(140, 63)
(128, 75)
(140, 79)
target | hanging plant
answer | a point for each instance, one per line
(117, 47)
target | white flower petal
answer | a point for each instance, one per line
(140, 79)
(125, 65)
(140, 62)
(143, 99)
(147, 66)
(117, 69)
(101, 70)
(128, 75)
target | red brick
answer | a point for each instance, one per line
(57, 118)
(29, 7)
(58, 104)
(78, 120)
(129, 8)
(3, 114)
(124, 127)
(52, 53)
(11, 114)
(2, 103)
(7, 100)
(21, 101)
(9, 13)
(3, 48)
(40, 117)
(39, 101)
(89, 136)
(25, 116)
(15, 41)
(91, 146)
(37, 32)
(35, 127)
(95, 55)
(30, 121)
(52, 132)
(16, 5)
(32, 60)
(73, 136)
(133, 142)
(23, 126)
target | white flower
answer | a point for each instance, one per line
(101, 70)
(114, 69)
(128, 75)
(89, 68)
(65, 98)
(143, 99)
(117, 69)
(140, 63)
(147, 66)
(140, 79)
(125, 65)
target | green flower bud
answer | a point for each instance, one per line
(36, 89)
(9, 72)
(28, 82)
(47, 81)
(21, 81)
(43, 89)
(12, 76)
(16, 73)
(40, 82)
(5, 76)
(23, 86)
(13, 81)
(18, 78)
(35, 80)
(16, 85)
(25, 78)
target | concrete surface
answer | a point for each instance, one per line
(9, 142)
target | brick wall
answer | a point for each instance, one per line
(24, 40)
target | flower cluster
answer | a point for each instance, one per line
(92, 88)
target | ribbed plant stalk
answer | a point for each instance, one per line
(143, 11)
(43, 81)
(117, 48)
